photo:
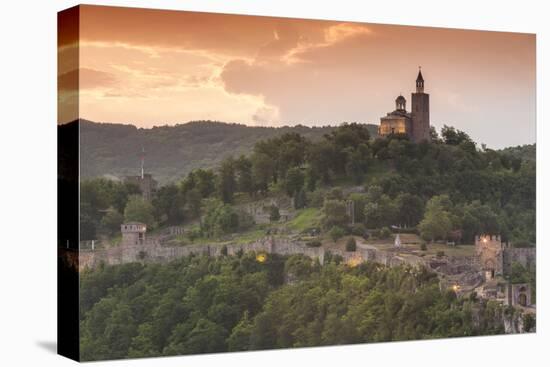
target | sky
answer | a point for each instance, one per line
(157, 67)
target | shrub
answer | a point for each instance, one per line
(314, 243)
(334, 194)
(336, 232)
(385, 232)
(194, 233)
(351, 245)
(359, 229)
(423, 247)
(440, 254)
(317, 198)
(224, 250)
(529, 322)
(334, 214)
(274, 214)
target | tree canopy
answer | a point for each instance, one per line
(202, 304)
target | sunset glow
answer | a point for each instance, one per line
(153, 67)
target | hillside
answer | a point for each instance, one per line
(173, 151)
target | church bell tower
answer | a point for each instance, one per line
(420, 111)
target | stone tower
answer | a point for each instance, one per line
(488, 250)
(133, 233)
(420, 111)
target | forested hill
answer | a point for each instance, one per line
(173, 151)
(523, 152)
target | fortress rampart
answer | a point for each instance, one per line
(153, 251)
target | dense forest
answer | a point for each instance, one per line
(202, 304)
(173, 151)
(446, 189)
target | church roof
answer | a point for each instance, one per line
(419, 78)
(397, 113)
(400, 98)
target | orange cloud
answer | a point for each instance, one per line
(266, 70)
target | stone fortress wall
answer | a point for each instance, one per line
(153, 251)
(523, 256)
(492, 253)
(495, 255)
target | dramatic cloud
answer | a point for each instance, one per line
(275, 71)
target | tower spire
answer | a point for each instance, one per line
(419, 81)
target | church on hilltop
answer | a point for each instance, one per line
(415, 124)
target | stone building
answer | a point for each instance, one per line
(133, 233)
(488, 249)
(497, 257)
(519, 295)
(414, 124)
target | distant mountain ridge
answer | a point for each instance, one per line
(173, 151)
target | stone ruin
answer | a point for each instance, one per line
(133, 233)
(496, 257)
(518, 295)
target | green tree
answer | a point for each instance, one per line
(119, 331)
(227, 184)
(88, 222)
(351, 245)
(294, 181)
(193, 203)
(220, 219)
(357, 162)
(274, 214)
(121, 193)
(410, 209)
(437, 221)
(334, 214)
(359, 201)
(139, 210)
(379, 210)
(336, 233)
(168, 204)
(263, 170)
(111, 221)
(239, 340)
(452, 136)
(320, 157)
(477, 219)
(204, 181)
(243, 170)
(205, 337)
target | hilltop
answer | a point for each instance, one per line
(173, 151)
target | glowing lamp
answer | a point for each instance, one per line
(261, 258)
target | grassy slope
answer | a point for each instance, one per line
(305, 219)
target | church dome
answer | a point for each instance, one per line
(400, 103)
